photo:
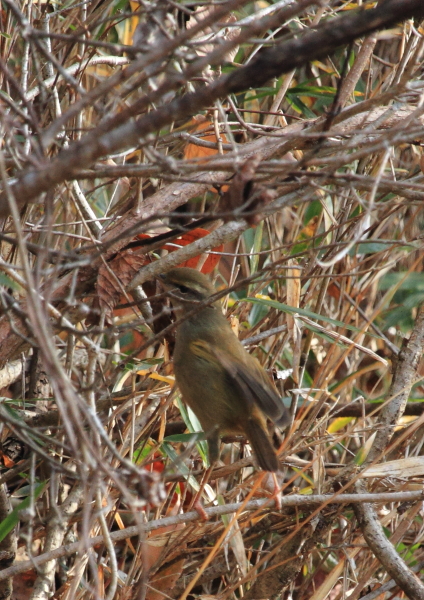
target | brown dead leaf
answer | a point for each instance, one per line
(165, 580)
(23, 585)
(114, 277)
(159, 541)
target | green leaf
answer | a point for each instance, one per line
(313, 209)
(325, 337)
(256, 248)
(372, 247)
(397, 317)
(12, 519)
(413, 300)
(301, 107)
(149, 362)
(187, 438)
(298, 248)
(140, 453)
(313, 91)
(408, 552)
(387, 532)
(303, 311)
(339, 423)
(7, 282)
(194, 426)
(363, 452)
(360, 457)
(411, 281)
(24, 401)
(306, 477)
(120, 5)
(182, 468)
(262, 93)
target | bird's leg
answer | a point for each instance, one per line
(196, 503)
(213, 445)
(271, 486)
(277, 492)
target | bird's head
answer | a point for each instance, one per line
(187, 287)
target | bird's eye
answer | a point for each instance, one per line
(183, 289)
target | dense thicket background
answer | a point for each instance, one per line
(278, 148)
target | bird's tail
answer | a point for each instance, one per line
(261, 444)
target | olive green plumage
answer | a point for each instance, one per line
(227, 388)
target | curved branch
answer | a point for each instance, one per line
(268, 64)
(403, 379)
(295, 500)
(384, 550)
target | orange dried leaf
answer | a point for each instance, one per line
(8, 462)
(188, 238)
(204, 130)
(310, 229)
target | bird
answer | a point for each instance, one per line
(226, 387)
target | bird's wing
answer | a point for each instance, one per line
(248, 378)
(265, 395)
(204, 350)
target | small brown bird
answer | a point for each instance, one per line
(226, 387)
